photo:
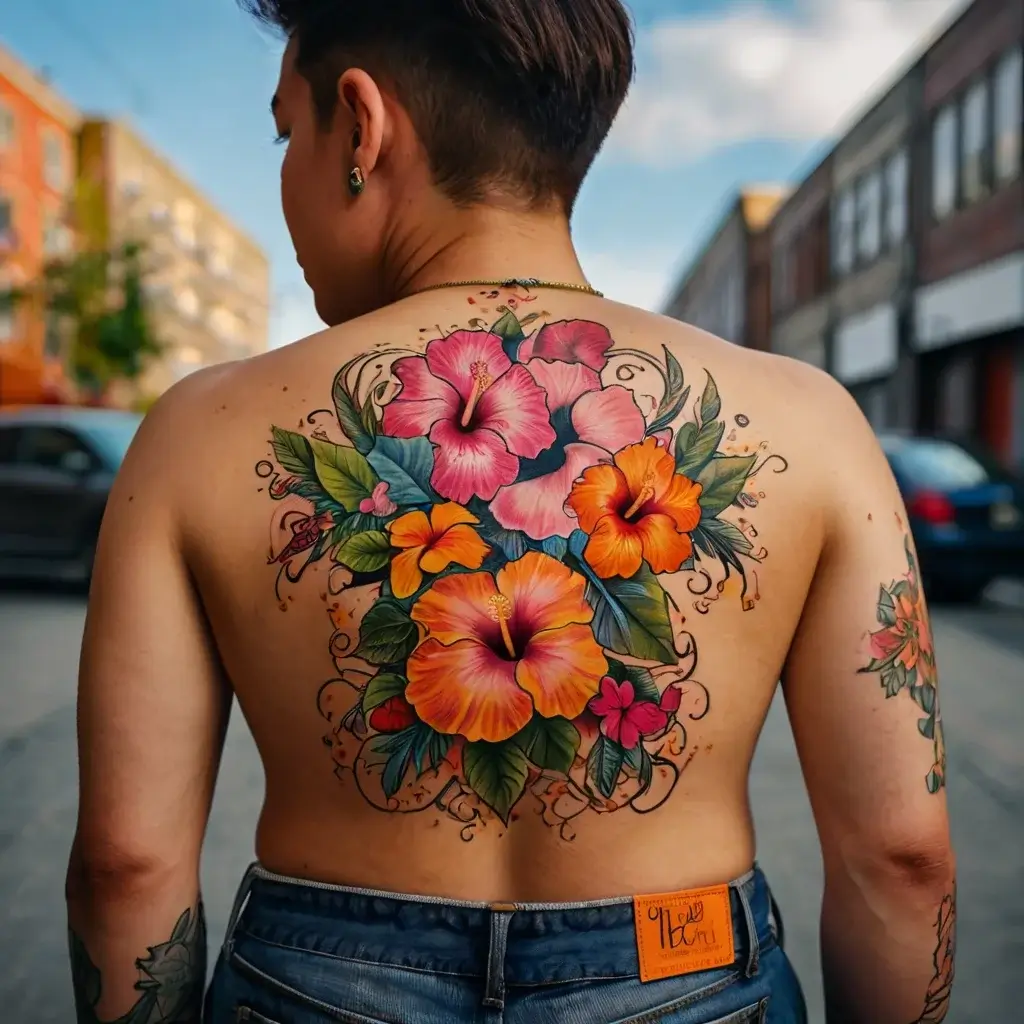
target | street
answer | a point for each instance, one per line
(981, 660)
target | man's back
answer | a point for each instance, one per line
(505, 618)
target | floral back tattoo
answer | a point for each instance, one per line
(501, 512)
(903, 656)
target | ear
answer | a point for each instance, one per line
(360, 101)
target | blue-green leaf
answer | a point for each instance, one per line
(643, 604)
(405, 464)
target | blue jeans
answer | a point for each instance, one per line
(306, 953)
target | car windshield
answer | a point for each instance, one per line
(939, 464)
(112, 434)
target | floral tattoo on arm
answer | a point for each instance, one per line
(904, 657)
(500, 511)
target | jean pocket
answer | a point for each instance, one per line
(281, 992)
(674, 1013)
(245, 1014)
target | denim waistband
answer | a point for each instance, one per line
(506, 943)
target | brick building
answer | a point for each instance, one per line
(727, 288)
(969, 227)
(37, 168)
(801, 309)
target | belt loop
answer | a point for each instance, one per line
(494, 989)
(753, 947)
(241, 898)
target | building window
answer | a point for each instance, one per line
(896, 197)
(187, 302)
(184, 216)
(844, 226)
(869, 215)
(7, 126)
(1008, 86)
(54, 169)
(974, 143)
(944, 162)
(56, 237)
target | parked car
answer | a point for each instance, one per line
(966, 513)
(56, 468)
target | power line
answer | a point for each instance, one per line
(96, 48)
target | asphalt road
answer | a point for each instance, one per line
(981, 659)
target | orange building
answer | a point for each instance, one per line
(37, 175)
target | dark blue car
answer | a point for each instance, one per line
(966, 513)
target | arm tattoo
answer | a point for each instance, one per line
(904, 658)
(456, 481)
(171, 979)
(936, 1000)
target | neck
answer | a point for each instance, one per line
(483, 243)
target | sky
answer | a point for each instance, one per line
(728, 92)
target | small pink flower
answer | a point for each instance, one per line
(378, 504)
(623, 718)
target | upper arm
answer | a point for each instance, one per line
(860, 681)
(152, 703)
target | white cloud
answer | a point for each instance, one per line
(755, 72)
(644, 283)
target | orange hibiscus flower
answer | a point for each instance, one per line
(431, 545)
(638, 509)
(500, 646)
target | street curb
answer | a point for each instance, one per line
(1006, 594)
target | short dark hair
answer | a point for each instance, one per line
(516, 95)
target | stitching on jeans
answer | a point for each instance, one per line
(254, 1015)
(305, 951)
(345, 1016)
(683, 1002)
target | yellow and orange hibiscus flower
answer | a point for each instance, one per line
(431, 545)
(498, 647)
(639, 509)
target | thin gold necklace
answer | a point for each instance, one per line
(526, 283)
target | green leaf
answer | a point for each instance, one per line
(556, 547)
(405, 464)
(894, 678)
(676, 394)
(886, 608)
(387, 635)
(697, 455)
(397, 748)
(644, 686)
(710, 403)
(640, 761)
(497, 773)
(344, 473)
(718, 538)
(926, 699)
(368, 416)
(381, 688)
(430, 747)
(293, 452)
(926, 727)
(365, 552)
(508, 328)
(604, 765)
(642, 604)
(358, 522)
(934, 781)
(722, 479)
(350, 416)
(687, 435)
(550, 743)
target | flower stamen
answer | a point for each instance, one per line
(500, 610)
(645, 495)
(482, 380)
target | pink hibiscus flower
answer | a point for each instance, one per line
(572, 341)
(482, 413)
(624, 719)
(593, 423)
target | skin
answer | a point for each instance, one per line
(192, 616)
